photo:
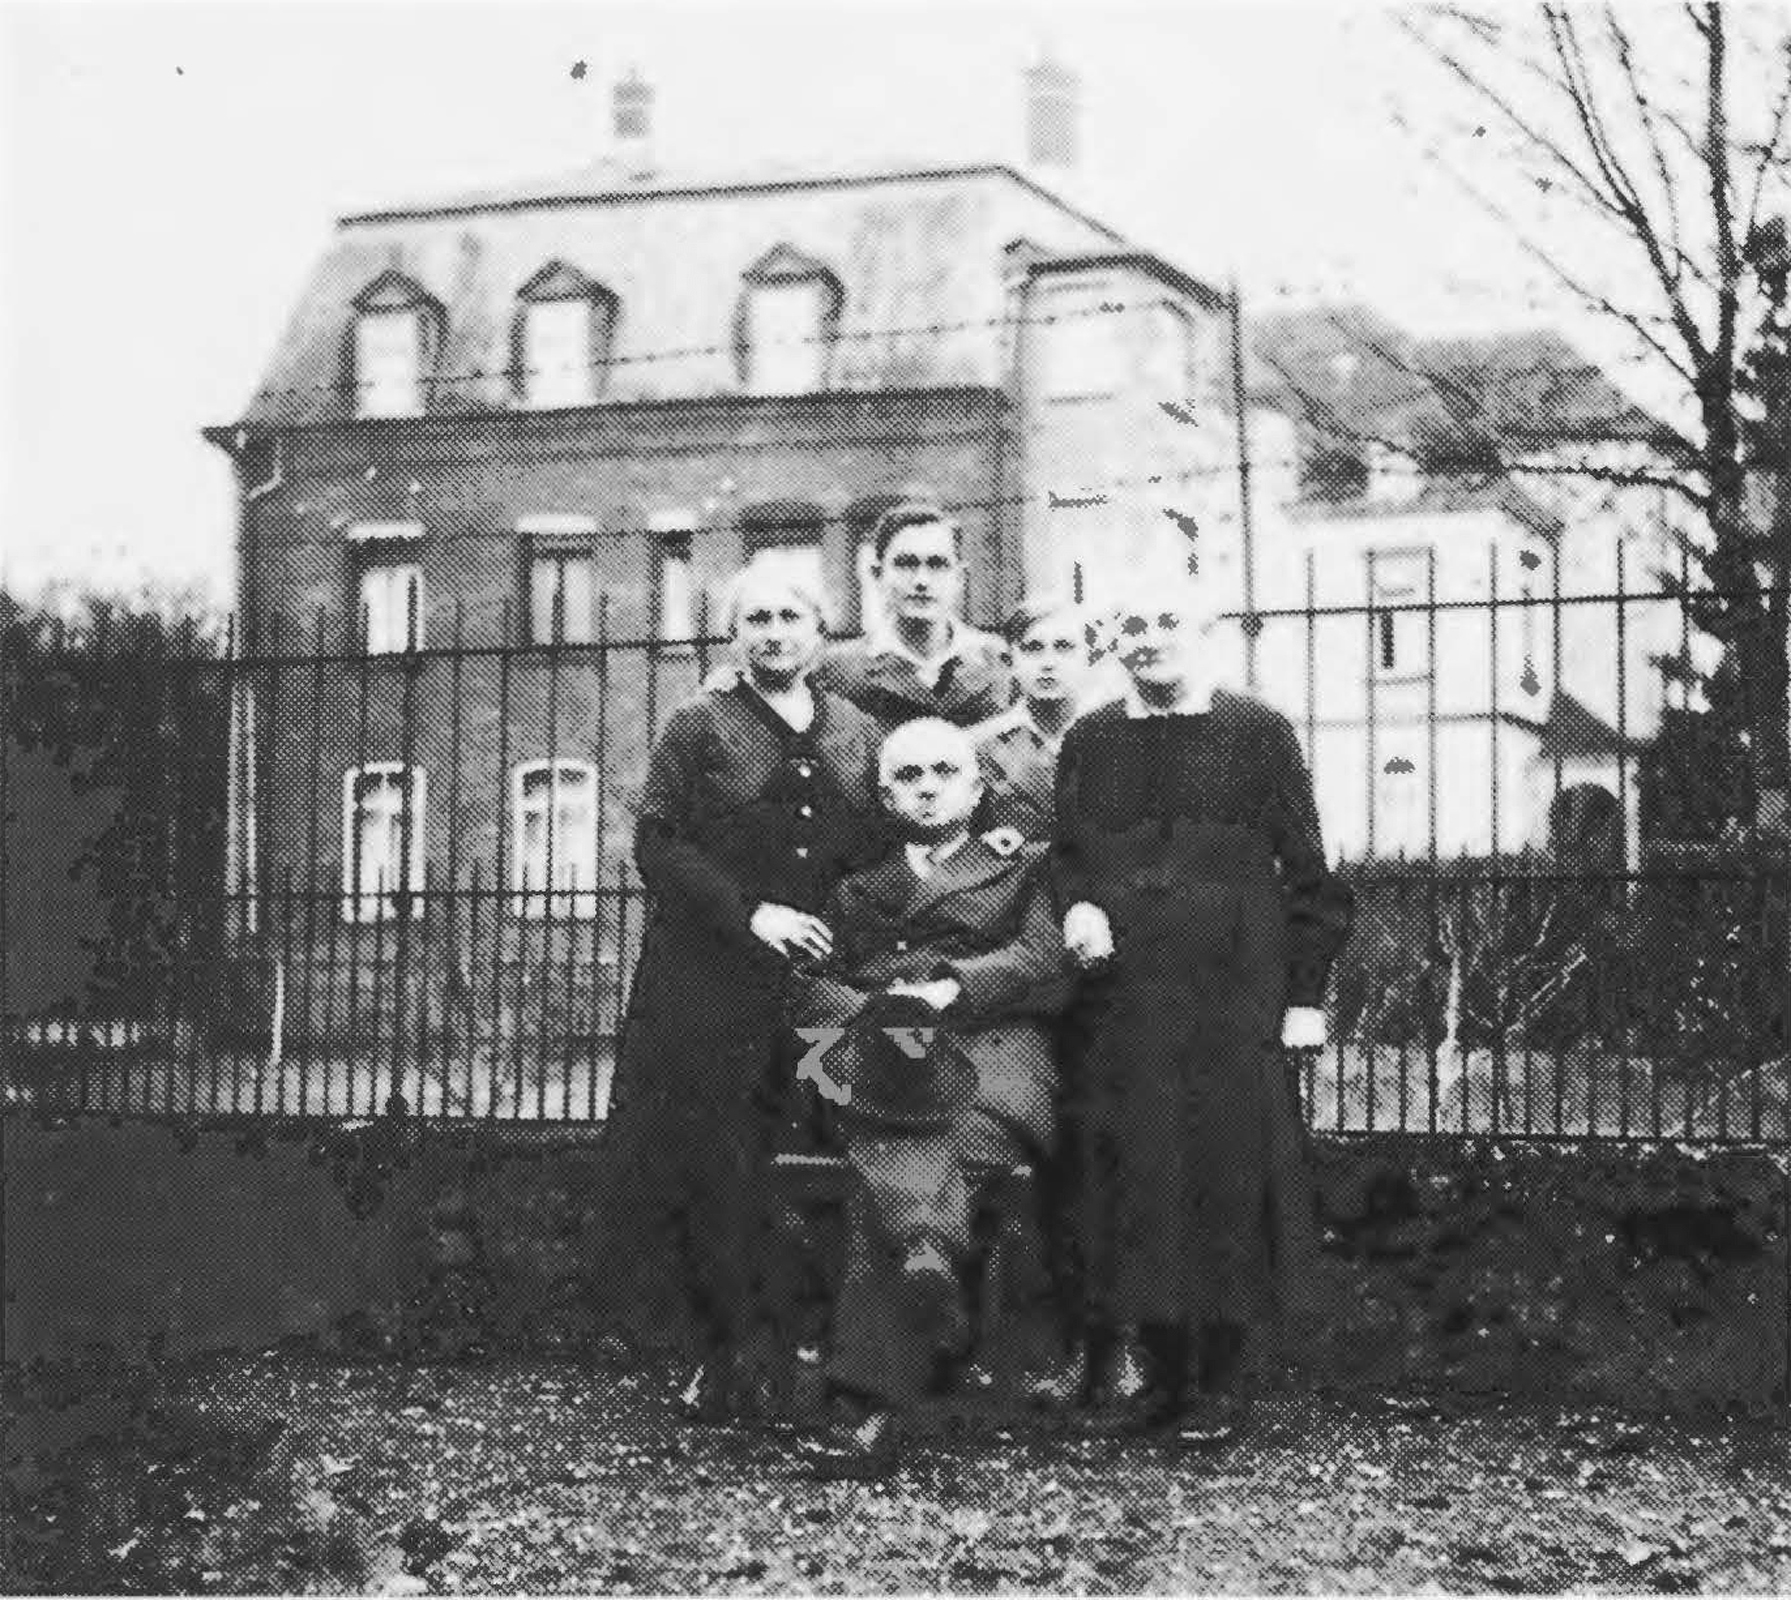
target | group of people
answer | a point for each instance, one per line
(981, 925)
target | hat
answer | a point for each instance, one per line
(902, 1072)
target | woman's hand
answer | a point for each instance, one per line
(941, 994)
(1303, 1028)
(1087, 934)
(792, 933)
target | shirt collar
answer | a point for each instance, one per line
(1196, 697)
(883, 640)
(924, 857)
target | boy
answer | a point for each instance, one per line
(929, 1025)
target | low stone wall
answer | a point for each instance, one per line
(1647, 1276)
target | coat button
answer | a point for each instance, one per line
(807, 811)
(802, 850)
(803, 768)
(901, 944)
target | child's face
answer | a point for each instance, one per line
(932, 788)
(1051, 660)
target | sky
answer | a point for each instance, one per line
(169, 172)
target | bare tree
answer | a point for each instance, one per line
(1641, 159)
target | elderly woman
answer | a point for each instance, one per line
(760, 796)
(1198, 900)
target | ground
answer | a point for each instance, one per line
(290, 1472)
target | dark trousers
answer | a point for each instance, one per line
(911, 1189)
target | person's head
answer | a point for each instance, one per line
(775, 618)
(1048, 644)
(919, 567)
(929, 777)
(1159, 627)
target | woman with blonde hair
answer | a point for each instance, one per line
(761, 794)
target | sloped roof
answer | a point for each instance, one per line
(1351, 371)
(1574, 730)
(918, 253)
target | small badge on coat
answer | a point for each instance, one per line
(1004, 841)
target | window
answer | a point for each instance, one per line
(556, 354)
(675, 591)
(788, 320)
(391, 603)
(1081, 354)
(560, 342)
(382, 814)
(562, 596)
(555, 840)
(1399, 638)
(388, 364)
(396, 331)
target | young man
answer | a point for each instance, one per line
(922, 659)
(946, 964)
(1200, 903)
(1049, 650)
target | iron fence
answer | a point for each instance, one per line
(276, 874)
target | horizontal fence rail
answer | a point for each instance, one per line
(267, 873)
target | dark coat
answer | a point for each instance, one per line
(1199, 838)
(738, 809)
(1019, 772)
(972, 687)
(983, 916)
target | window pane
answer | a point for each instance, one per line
(677, 593)
(388, 351)
(392, 607)
(786, 353)
(578, 585)
(556, 353)
(544, 588)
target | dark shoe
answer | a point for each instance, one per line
(931, 1287)
(861, 1453)
(1121, 1377)
(1064, 1385)
(1211, 1421)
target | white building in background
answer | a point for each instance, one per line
(1434, 719)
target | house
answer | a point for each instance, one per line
(1490, 639)
(510, 442)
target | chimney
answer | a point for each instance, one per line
(1051, 94)
(632, 124)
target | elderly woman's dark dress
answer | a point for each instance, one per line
(739, 808)
(1197, 835)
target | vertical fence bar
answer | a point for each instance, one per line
(603, 783)
(549, 927)
(506, 818)
(313, 823)
(356, 900)
(1626, 1039)
(445, 972)
(413, 837)
(1370, 675)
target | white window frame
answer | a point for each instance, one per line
(674, 548)
(384, 625)
(780, 361)
(573, 894)
(572, 380)
(577, 614)
(1403, 634)
(384, 384)
(367, 902)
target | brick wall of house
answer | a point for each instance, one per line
(468, 716)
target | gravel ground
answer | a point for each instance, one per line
(288, 1472)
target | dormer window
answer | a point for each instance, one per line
(787, 324)
(562, 338)
(396, 332)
